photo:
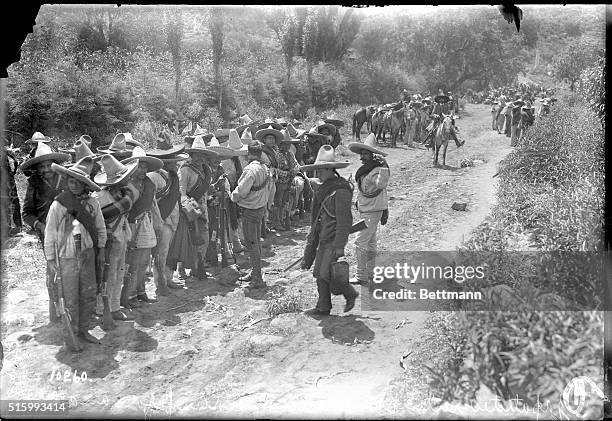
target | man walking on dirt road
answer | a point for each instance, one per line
(331, 224)
(372, 202)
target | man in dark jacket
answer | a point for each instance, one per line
(331, 224)
(43, 185)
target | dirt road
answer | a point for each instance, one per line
(210, 350)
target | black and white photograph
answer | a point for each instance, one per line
(305, 212)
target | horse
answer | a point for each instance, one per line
(362, 115)
(378, 122)
(394, 121)
(443, 133)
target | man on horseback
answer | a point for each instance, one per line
(441, 107)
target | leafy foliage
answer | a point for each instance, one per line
(577, 57)
(551, 198)
(592, 86)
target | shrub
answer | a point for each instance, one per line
(551, 193)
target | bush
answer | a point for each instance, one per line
(550, 193)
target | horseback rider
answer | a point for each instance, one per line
(441, 106)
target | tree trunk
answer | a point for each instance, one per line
(177, 83)
(309, 68)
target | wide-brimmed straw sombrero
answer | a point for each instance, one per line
(165, 149)
(241, 129)
(282, 121)
(80, 150)
(245, 120)
(234, 146)
(200, 146)
(38, 137)
(246, 137)
(81, 171)
(44, 153)
(287, 138)
(269, 124)
(130, 142)
(293, 132)
(518, 103)
(326, 159)
(139, 154)
(261, 133)
(118, 147)
(84, 138)
(369, 145)
(113, 171)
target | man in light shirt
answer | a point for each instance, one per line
(251, 194)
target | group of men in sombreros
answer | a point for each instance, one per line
(104, 215)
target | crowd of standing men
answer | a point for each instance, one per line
(104, 217)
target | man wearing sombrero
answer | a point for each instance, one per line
(372, 202)
(271, 136)
(75, 229)
(43, 185)
(12, 205)
(233, 160)
(194, 182)
(252, 194)
(331, 224)
(116, 199)
(288, 169)
(441, 107)
(141, 219)
(527, 118)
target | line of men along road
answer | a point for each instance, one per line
(513, 110)
(103, 216)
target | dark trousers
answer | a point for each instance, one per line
(251, 227)
(322, 273)
(79, 281)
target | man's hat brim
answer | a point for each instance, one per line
(264, 126)
(103, 180)
(176, 158)
(357, 147)
(228, 153)
(166, 153)
(264, 132)
(154, 164)
(206, 151)
(325, 165)
(69, 172)
(56, 157)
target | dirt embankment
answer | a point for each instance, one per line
(209, 349)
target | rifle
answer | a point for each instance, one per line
(60, 308)
(224, 233)
(356, 227)
(102, 274)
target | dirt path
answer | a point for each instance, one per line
(209, 350)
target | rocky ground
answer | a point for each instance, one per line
(213, 350)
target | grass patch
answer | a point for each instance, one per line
(280, 302)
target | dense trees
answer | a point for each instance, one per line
(99, 69)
